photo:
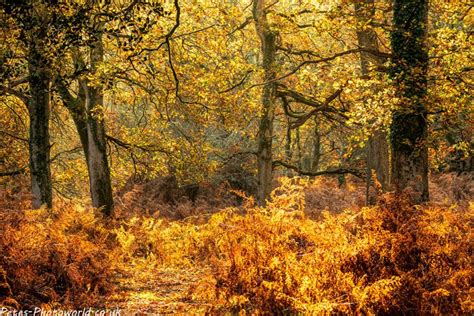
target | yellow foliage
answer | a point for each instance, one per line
(391, 258)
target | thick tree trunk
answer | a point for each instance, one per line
(265, 131)
(377, 146)
(39, 111)
(96, 152)
(408, 130)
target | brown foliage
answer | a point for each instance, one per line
(314, 249)
(165, 198)
(60, 256)
(452, 188)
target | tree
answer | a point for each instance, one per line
(408, 130)
(87, 112)
(267, 38)
(32, 20)
(87, 108)
(97, 163)
(39, 108)
(377, 146)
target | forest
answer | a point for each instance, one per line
(262, 157)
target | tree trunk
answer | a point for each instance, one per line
(96, 153)
(77, 109)
(288, 151)
(377, 145)
(265, 131)
(39, 111)
(408, 130)
(316, 146)
(299, 151)
(87, 112)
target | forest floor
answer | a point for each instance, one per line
(181, 260)
(157, 291)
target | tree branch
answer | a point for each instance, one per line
(13, 172)
(14, 136)
(238, 83)
(241, 26)
(322, 108)
(129, 146)
(354, 172)
(322, 60)
(288, 111)
(7, 90)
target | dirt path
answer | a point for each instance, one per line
(157, 291)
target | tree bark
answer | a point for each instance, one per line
(265, 131)
(288, 147)
(377, 146)
(316, 146)
(408, 130)
(39, 112)
(87, 112)
(96, 152)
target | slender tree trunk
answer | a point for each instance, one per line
(96, 152)
(77, 110)
(316, 146)
(299, 151)
(408, 130)
(377, 146)
(39, 111)
(288, 151)
(265, 131)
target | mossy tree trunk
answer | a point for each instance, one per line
(408, 130)
(39, 111)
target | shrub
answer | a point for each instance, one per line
(393, 258)
(61, 256)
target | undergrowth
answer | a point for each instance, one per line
(393, 258)
(57, 257)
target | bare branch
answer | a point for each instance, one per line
(354, 172)
(70, 151)
(241, 26)
(288, 111)
(129, 146)
(323, 60)
(13, 172)
(322, 108)
(238, 83)
(14, 136)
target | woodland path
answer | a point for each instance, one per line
(157, 291)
